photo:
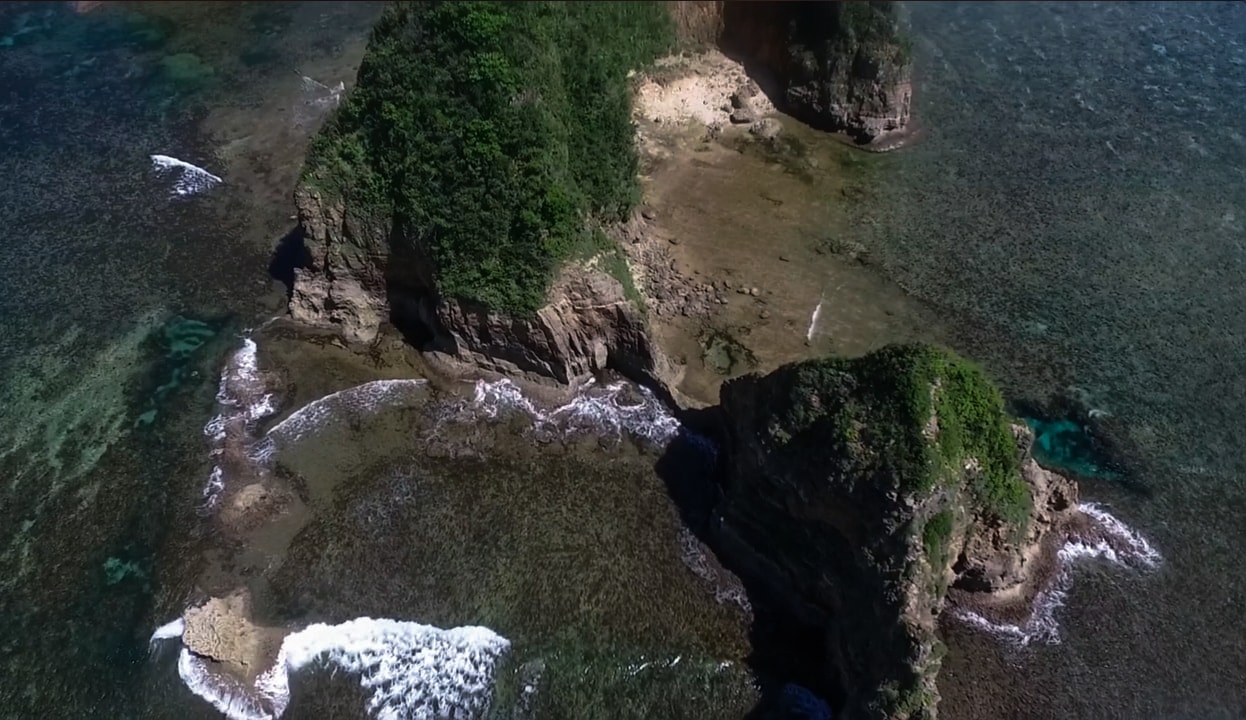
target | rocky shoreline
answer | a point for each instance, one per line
(811, 509)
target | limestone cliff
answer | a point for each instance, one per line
(359, 274)
(841, 66)
(859, 490)
(461, 189)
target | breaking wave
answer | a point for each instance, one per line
(190, 179)
(600, 409)
(359, 400)
(1109, 539)
(406, 670)
(243, 399)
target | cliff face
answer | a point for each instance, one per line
(860, 490)
(460, 204)
(841, 66)
(361, 274)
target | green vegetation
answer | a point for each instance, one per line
(911, 412)
(935, 539)
(872, 27)
(903, 702)
(491, 134)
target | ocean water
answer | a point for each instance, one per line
(126, 274)
(1076, 210)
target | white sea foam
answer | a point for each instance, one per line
(1113, 541)
(359, 400)
(191, 179)
(647, 419)
(593, 409)
(167, 631)
(318, 99)
(216, 483)
(407, 670)
(233, 699)
(243, 400)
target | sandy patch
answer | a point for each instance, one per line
(700, 89)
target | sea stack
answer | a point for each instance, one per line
(860, 490)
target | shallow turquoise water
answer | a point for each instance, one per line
(1077, 205)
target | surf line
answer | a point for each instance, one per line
(193, 179)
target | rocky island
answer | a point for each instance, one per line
(478, 194)
(858, 491)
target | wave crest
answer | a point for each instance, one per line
(406, 670)
(191, 179)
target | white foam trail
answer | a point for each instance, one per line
(361, 399)
(647, 419)
(813, 321)
(243, 400)
(191, 179)
(409, 670)
(318, 99)
(216, 484)
(231, 698)
(1118, 544)
(167, 631)
(406, 670)
(593, 409)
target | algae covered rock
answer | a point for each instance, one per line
(859, 490)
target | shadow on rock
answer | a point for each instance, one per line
(785, 653)
(289, 255)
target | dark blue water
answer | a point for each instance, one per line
(1077, 207)
(117, 302)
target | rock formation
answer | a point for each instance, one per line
(842, 66)
(221, 630)
(860, 490)
(354, 280)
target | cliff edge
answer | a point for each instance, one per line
(859, 490)
(464, 190)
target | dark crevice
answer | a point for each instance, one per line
(789, 656)
(289, 255)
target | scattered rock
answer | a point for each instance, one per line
(674, 241)
(740, 98)
(743, 116)
(766, 129)
(648, 213)
(754, 292)
(764, 314)
(784, 258)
